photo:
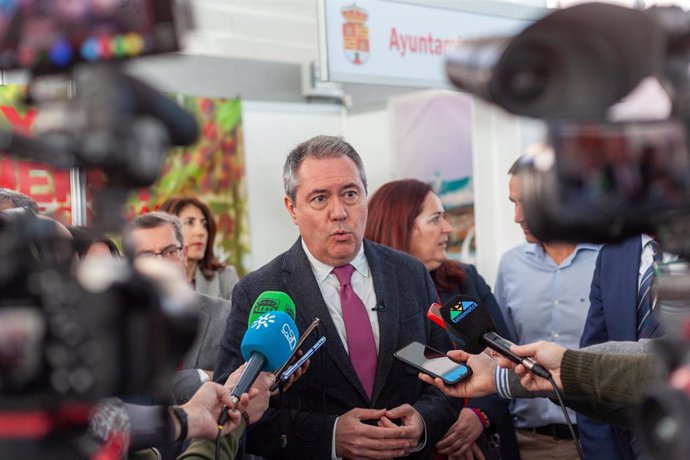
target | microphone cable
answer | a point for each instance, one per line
(578, 446)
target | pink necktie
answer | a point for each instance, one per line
(360, 338)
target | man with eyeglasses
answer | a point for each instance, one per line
(158, 234)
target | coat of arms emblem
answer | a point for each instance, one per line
(355, 34)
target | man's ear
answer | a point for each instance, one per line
(290, 206)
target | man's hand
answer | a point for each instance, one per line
(548, 354)
(259, 394)
(460, 437)
(204, 408)
(294, 377)
(480, 383)
(258, 405)
(410, 420)
(356, 439)
(258, 397)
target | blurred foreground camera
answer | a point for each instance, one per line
(69, 338)
(573, 63)
(598, 180)
(72, 334)
(601, 181)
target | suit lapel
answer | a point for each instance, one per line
(202, 328)
(309, 304)
(385, 281)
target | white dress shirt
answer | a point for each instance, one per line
(362, 284)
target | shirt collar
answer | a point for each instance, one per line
(322, 270)
(537, 249)
(645, 239)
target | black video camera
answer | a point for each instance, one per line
(599, 180)
(73, 333)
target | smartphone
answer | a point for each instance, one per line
(291, 370)
(433, 362)
(300, 342)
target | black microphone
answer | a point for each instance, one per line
(380, 306)
(472, 327)
(182, 126)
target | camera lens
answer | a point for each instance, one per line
(662, 418)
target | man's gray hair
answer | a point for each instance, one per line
(319, 147)
(157, 219)
(12, 199)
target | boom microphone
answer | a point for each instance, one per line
(134, 96)
(472, 327)
(269, 301)
(266, 345)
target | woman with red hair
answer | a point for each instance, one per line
(407, 215)
(204, 271)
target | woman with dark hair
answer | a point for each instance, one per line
(206, 273)
(87, 242)
(407, 215)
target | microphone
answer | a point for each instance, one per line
(269, 301)
(135, 96)
(266, 345)
(472, 327)
(380, 306)
(54, 151)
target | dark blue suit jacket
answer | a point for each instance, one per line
(612, 316)
(299, 423)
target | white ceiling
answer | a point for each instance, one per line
(267, 30)
(254, 34)
(287, 30)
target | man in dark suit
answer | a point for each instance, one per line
(613, 316)
(160, 234)
(356, 400)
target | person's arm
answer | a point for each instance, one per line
(608, 377)
(204, 449)
(153, 426)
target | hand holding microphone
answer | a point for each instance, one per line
(472, 327)
(268, 342)
(548, 354)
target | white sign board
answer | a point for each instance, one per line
(383, 42)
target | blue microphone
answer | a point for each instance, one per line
(267, 344)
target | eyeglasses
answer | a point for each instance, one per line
(171, 252)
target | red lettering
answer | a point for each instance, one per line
(62, 185)
(8, 173)
(41, 183)
(18, 122)
(35, 182)
(393, 42)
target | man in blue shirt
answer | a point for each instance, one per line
(543, 291)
